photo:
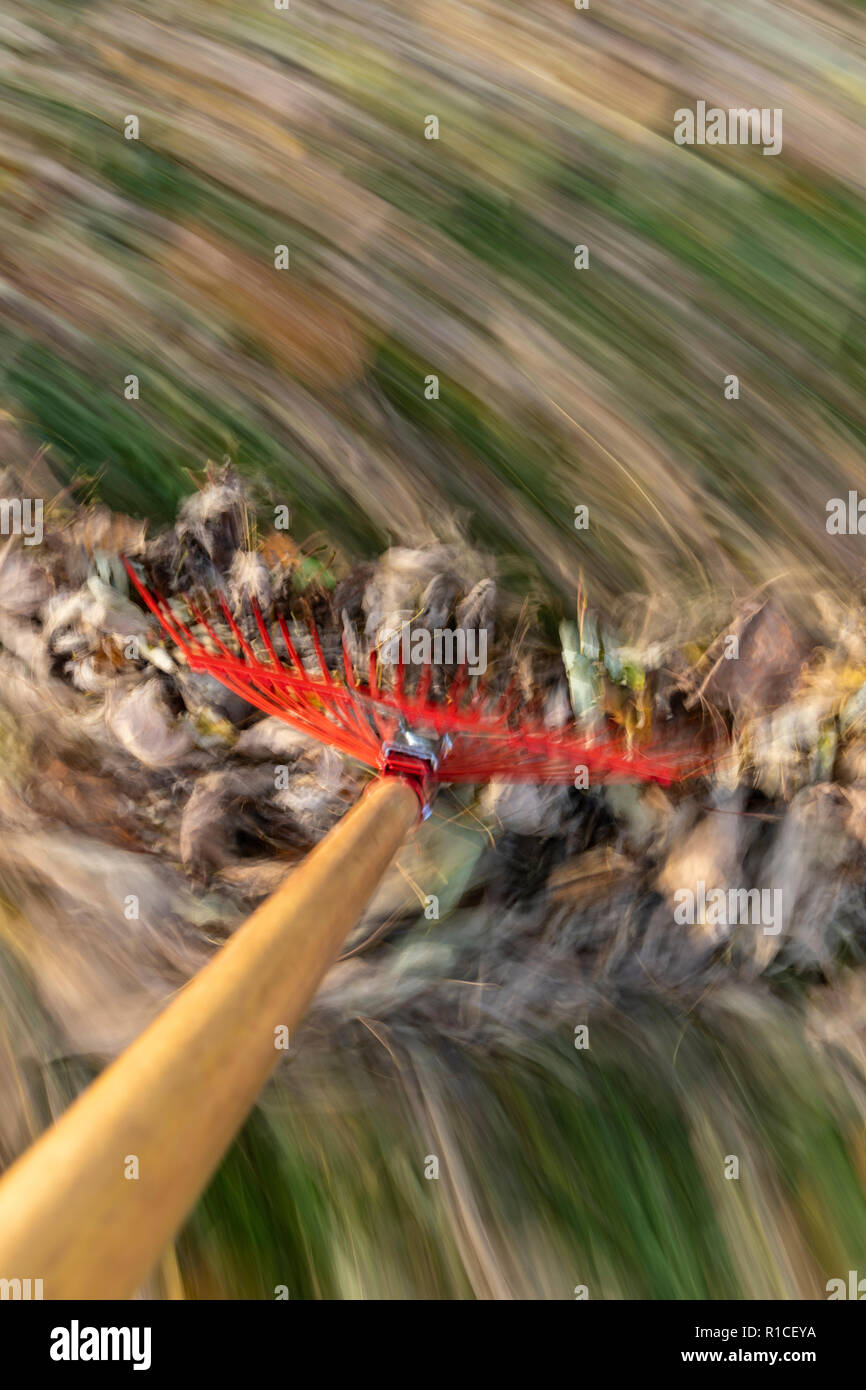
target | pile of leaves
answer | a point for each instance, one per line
(518, 1001)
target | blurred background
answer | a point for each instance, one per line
(558, 387)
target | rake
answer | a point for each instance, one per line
(72, 1213)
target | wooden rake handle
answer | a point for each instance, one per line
(69, 1215)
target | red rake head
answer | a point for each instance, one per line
(481, 735)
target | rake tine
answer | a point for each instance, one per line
(155, 603)
(238, 635)
(290, 647)
(348, 664)
(265, 634)
(317, 645)
(458, 685)
(200, 618)
(423, 687)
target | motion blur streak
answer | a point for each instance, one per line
(606, 1166)
(410, 256)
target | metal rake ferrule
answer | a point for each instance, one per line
(479, 735)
